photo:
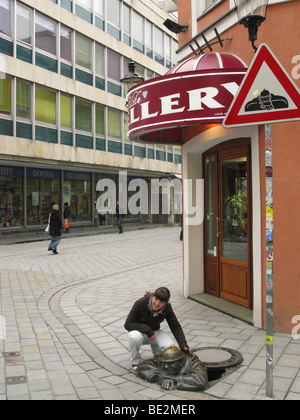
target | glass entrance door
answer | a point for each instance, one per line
(228, 224)
(234, 199)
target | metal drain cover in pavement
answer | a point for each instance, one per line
(218, 360)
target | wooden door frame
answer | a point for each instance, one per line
(227, 150)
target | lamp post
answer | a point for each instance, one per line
(251, 14)
(131, 78)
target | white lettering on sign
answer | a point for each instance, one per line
(145, 111)
(167, 104)
(196, 99)
(170, 104)
(6, 171)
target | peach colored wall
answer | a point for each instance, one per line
(281, 32)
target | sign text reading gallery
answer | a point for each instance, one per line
(181, 100)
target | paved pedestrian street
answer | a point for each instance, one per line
(64, 315)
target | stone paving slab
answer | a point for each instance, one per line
(65, 314)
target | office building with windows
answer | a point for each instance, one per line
(63, 115)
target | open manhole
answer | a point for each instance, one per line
(218, 360)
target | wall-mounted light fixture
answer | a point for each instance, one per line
(131, 78)
(251, 14)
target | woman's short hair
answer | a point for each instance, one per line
(163, 294)
(55, 207)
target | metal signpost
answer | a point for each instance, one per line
(267, 95)
(269, 261)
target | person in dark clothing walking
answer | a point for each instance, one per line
(54, 229)
(67, 212)
(119, 217)
(143, 325)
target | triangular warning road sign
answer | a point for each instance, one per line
(267, 94)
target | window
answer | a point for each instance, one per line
(77, 192)
(126, 19)
(113, 65)
(168, 47)
(149, 32)
(83, 52)
(6, 17)
(65, 111)
(66, 43)
(208, 3)
(45, 105)
(99, 60)
(126, 138)
(114, 123)
(139, 69)
(99, 7)
(45, 34)
(203, 5)
(11, 196)
(87, 4)
(43, 190)
(138, 27)
(23, 100)
(158, 41)
(83, 115)
(24, 24)
(113, 12)
(5, 96)
(100, 120)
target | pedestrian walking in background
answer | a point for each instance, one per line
(143, 325)
(119, 216)
(55, 226)
(67, 212)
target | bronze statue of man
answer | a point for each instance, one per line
(175, 369)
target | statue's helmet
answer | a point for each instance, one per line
(171, 354)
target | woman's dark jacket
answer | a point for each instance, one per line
(67, 212)
(141, 319)
(55, 223)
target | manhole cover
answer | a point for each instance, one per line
(13, 380)
(11, 354)
(213, 355)
(218, 357)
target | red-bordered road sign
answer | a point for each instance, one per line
(267, 94)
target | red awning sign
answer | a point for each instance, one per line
(160, 108)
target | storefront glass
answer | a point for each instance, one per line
(11, 196)
(43, 190)
(77, 192)
(104, 210)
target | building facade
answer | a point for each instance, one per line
(63, 119)
(234, 262)
(241, 256)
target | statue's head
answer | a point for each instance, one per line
(171, 360)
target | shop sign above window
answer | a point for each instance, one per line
(160, 108)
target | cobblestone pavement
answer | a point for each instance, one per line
(64, 321)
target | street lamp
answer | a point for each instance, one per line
(251, 14)
(131, 78)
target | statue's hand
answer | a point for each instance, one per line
(168, 383)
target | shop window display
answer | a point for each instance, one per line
(11, 196)
(77, 192)
(43, 190)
